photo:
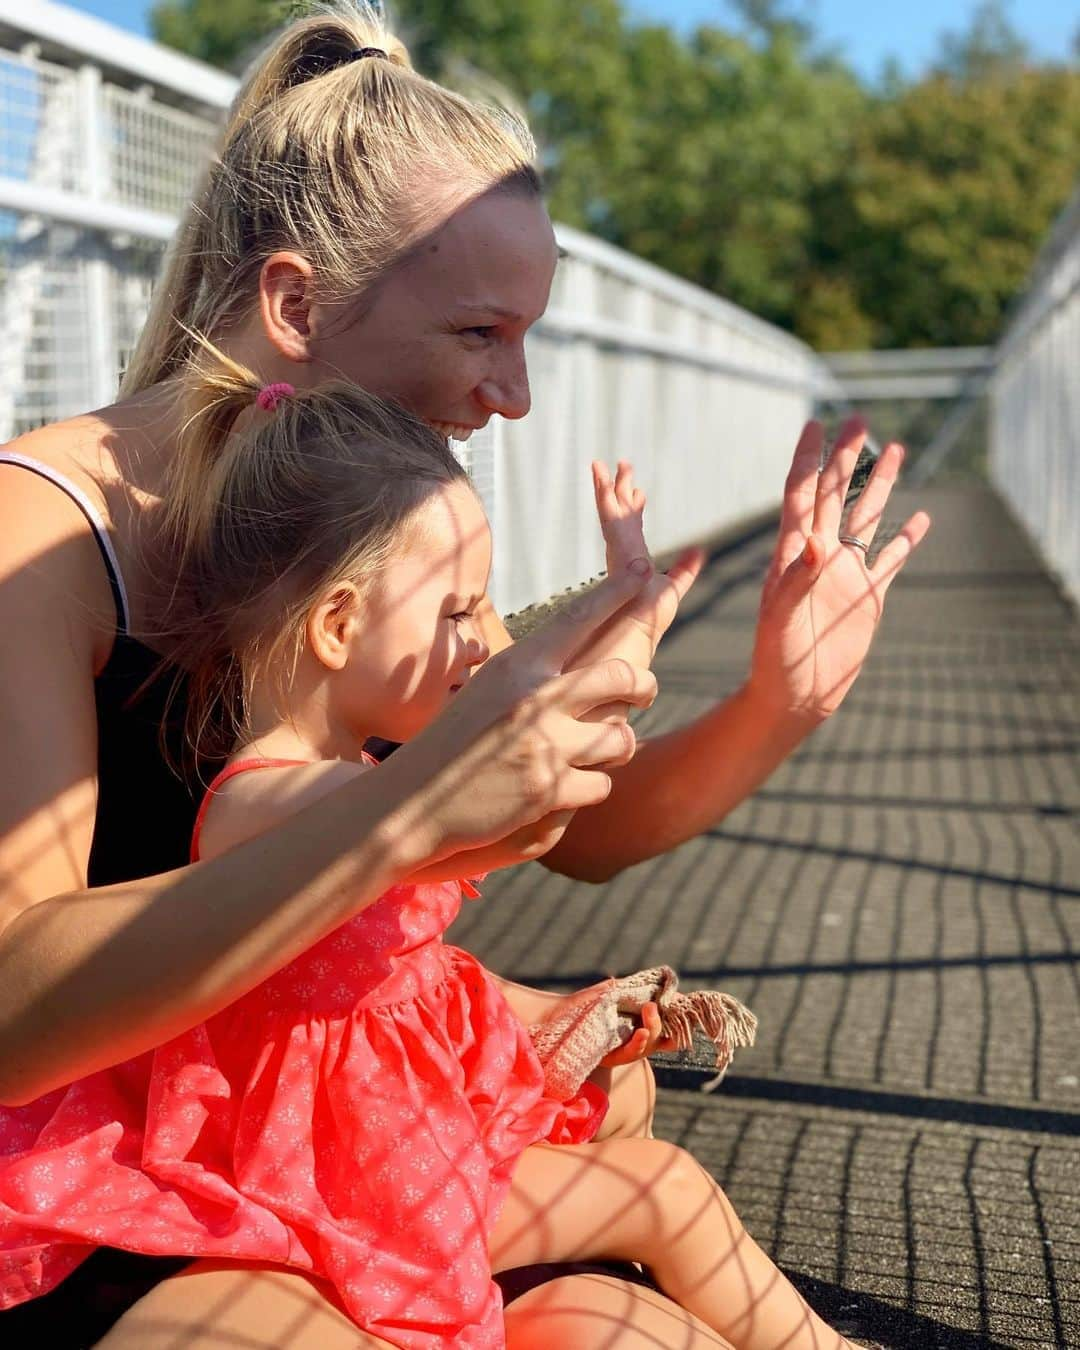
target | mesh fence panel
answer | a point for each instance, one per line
(155, 152)
(37, 122)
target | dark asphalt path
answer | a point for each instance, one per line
(900, 905)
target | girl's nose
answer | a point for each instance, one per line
(477, 651)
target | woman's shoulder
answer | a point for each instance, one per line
(54, 528)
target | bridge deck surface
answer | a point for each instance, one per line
(900, 904)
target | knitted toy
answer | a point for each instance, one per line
(586, 1026)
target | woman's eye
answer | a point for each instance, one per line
(461, 615)
(483, 331)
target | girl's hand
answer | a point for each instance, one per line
(821, 602)
(633, 634)
(648, 1039)
(620, 506)
(512, 747)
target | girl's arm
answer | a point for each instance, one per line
(89, 977)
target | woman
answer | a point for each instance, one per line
(359, 221)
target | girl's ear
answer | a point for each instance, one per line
(285, 304)
(332, 626)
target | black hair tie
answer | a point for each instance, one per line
(358, 53)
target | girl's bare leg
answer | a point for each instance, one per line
(601, 1312)
(646, 1200)
(214, 1306)
(631, 1088)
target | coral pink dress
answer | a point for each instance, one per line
(358, 1115)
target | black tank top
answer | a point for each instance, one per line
(145, 809)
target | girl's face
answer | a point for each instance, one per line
(444, 334)
(418, 639)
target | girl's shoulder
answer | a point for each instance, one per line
(252, 795)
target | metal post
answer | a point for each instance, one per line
(100, 340)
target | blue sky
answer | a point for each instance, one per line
(866, 33)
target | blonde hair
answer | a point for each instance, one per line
(328, 153)
(317, 491)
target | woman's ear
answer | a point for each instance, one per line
(285, 304)
(332, 626)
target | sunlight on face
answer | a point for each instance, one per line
(444, 334)
(420, 641)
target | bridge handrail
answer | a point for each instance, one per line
(1035, 403)
(628, 359)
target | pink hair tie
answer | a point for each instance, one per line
(270, 395)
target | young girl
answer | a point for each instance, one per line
(374, 1113)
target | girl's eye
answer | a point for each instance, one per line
(483, 331)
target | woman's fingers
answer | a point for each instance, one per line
(896, 552)
(599, 744)
(836, 476)
(553, 646)
(866, 513)
(593, 686)
(800, 489)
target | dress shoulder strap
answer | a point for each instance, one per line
(218, 782)
(97, 525)
(230, 771)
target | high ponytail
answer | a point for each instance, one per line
(321, 153)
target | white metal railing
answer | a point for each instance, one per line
(102, 135)
(706, 399)
(1035, 404)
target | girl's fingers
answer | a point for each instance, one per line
(638, 502)
(866, 513)
(835, 478)
(602, 491)
(800, 488)
(624, 483)
(685, 571)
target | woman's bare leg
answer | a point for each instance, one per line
(646, 1200)
(602, 1312)
(215, 1306)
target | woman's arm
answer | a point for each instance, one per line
(820, 607)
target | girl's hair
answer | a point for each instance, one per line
(330, 153)
(319, 490)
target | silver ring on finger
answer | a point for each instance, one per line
(855, 542)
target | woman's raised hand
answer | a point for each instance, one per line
(511, 748)
(821, 602)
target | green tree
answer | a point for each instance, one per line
(990, 45)
(220, 32)
(732, 138)
(756, 164)
(952, 188)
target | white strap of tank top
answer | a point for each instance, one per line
(92, 515)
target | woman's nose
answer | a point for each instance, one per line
(506, 390)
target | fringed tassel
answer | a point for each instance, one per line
(583, 1028)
